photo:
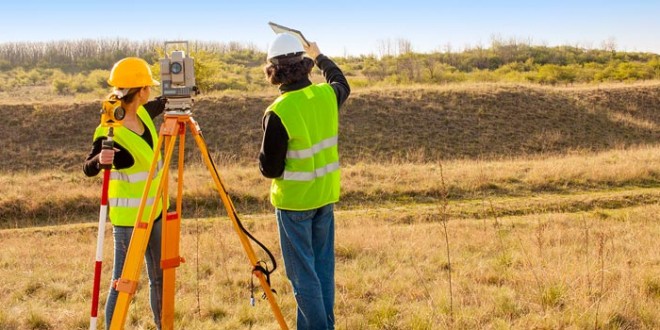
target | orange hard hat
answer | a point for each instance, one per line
(131, 72)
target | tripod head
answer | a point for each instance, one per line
(177, 73)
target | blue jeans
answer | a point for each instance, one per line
(122, 236)
(307, 242)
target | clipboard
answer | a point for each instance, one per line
(283, 29)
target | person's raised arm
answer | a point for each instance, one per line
(331, 72)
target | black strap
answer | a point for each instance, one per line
(264, 270)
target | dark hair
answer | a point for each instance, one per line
(280, 74)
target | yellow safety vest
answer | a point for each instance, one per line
(311, 171)
(127, 185)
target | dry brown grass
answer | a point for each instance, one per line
(408, 124)
(542, 242)
(520, 177)
(545, 271)
(576, 255)
(620, 177)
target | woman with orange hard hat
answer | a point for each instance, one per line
(131, 158)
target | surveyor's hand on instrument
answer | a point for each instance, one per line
(162, 100)
(312, 50)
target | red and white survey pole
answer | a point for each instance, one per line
(103, 217)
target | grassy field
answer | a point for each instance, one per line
(582, 182)
(463, 207)
(598, 269)
(544, 242)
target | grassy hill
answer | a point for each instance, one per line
(463, 207)
(410, 124)
(493, 140)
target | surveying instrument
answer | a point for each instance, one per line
(178, 86)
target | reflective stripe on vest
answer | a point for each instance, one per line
(129, 202)
(309, 176)
(135, 177)
(306, 153)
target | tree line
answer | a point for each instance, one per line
(79, 66)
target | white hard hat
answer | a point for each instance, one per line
(285, 45)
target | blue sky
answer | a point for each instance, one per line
(342, 27)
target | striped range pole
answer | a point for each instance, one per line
(103, 217)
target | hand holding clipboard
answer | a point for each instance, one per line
(283, 29)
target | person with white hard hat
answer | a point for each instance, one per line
(299, 152)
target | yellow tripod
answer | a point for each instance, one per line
(175, 125)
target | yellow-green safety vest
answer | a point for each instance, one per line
(311, 170)
(127, 185)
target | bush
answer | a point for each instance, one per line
(71, 67)
(61, 87)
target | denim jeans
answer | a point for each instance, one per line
(122, 236)
(307, 242)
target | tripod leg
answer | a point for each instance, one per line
(170, 258)
(231, 211)
(130, 275)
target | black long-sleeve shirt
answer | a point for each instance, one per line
(275, 140)
(123, 158)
